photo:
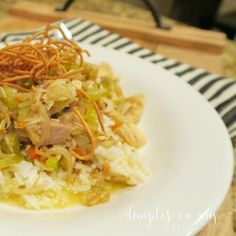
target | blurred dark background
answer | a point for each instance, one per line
(206, 14)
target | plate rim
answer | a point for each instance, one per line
(218, 203)
(221, 199)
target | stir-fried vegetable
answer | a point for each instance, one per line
(33, 155)
(91, 115)
(52, 163)
(11, 147)
(66, 159)
(9, 160)
(96, 94)
(10, 99)
(23, 112)
(10, 143)
(60, 90)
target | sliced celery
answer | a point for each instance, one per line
(91, 115)
(52, 163)
(23, 113)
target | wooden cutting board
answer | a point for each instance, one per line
(185, 44)
(182, 43)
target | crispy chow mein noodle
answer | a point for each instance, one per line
(45, 59)
(68, 135)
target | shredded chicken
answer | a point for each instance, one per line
(131, 108)
(131, 135)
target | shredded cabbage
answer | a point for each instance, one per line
(9, 160)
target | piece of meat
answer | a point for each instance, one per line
(68, 118)
(59, 133)
(52, 133)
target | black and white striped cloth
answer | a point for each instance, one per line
(218, 90)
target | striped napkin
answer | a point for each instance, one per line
(218, 90)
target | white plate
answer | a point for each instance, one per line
(191, 161)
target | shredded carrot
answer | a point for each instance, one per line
(106, 169)
(20, 124)
(116, 126)
(77, 151)
(33, 155)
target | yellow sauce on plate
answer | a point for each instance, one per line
(62, 199)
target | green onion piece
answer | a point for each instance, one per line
(52, 163)
(91, 115)
(9, 160)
